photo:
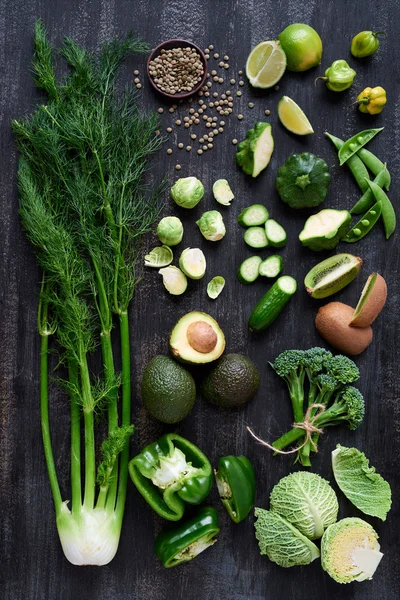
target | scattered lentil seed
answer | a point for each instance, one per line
(158, 132)
(211, 47)
(187, 125)
(276, 87)
(221, 63)
(226, 66)
(222, 123)
(215, 131)
(201, 93)
(238, 93)
(211, 135)
(251, 105)
(215, 78)
(215, 94)
(174, 106)
(214, 119)
(205, 118)
(178, 167)
(171, 110)
(193, 136)
(234, 141)
(136, 80)
(196, 114)
(240, 73)
(240, 117)
(206, 136)
(205, 147)
(209, 84)
(196, 121)
(188, 148)
(186, 119)
(228, 93)
(226, 57)
(169, 151)
(169, 129)
(178, 122)
(199, 151)
(241, 83)
(207, 56)
(211, 104)
(220, 130)
(208, 74)
(200, 111)
(210, 119)
(208, 124)
(213, 72)
(201, 140)
(221, 80)
(136, 72)
(139, 86)
(207, 94)
(230, 104)
(180, 145)
(267, 112)
(216, 55)
(232, 81)
(210, 145)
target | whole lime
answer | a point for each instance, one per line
(302, 46)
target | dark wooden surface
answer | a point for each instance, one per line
(32, 564)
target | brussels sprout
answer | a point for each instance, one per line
(222, 192)
(187, 192)
(193, 263)
(170, 231)
(215, 287)
(174, 280)
(211, 225)
(159, 257)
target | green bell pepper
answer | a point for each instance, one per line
(236, 486)
(186, 541)
(171, 472)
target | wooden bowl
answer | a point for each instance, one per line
(177, 44)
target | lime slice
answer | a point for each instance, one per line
(292, 117)
(266, 64)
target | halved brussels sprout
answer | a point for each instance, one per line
(193, 263)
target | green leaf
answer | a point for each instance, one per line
(360, 483)
(215, 287)
(161, 256)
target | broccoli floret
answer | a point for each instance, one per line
(290, 366)
(315, 360)
(348, 406)
(343, 368)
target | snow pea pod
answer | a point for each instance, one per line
(367, 199)
(388, 214)
(355, 164)
(364, 225)
(355, 143)
(374, 165)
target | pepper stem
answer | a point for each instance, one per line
(323, 79)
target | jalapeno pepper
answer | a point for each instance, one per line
(372, 100)
(355, 143)
(185, 542)
(170, 473)
(339, 76)
(364, 225)
(236, 486)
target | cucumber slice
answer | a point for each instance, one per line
(249, 269)
(256, 214)
(272, 303)
(276, 235)
(271, 266)
(255, 237)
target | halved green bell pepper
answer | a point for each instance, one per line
(185, 542)
(236, 486)
(169, 473)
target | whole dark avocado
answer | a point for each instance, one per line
(168, 390)
(232, 382)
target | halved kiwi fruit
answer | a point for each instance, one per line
(333, 323)
(371, 302)
(332, 274)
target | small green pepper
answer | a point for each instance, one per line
(367, 199)
(185, 542)
(236, 486)
(365, 43)
(170, 473)
(364, 225)
(388, 213)
(339, 76)
(355, 143)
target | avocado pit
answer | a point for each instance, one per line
(201, 336)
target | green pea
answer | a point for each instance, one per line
(388, 213)
(351, 146)
(367, 199)
(365, 224)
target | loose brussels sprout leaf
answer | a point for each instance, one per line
(215, 287)
(187, 192)
(350, 550)
(170, 231)
(211, 225)
(193, 263)
(307, 501)
(174, 280)
(159, 257)
(222, 192)
(281, 542)
(360, 483)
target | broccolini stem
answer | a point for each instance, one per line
(76, 487)
(126, 411)
(288, 438)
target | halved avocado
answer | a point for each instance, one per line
(197, 339)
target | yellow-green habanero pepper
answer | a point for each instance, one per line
(372, 100)
(365, 43)
(339, 76)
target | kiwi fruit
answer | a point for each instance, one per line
(371, 302)
(333, 323)
(332, 274)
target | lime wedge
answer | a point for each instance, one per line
(292, 117)
(266, 64)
